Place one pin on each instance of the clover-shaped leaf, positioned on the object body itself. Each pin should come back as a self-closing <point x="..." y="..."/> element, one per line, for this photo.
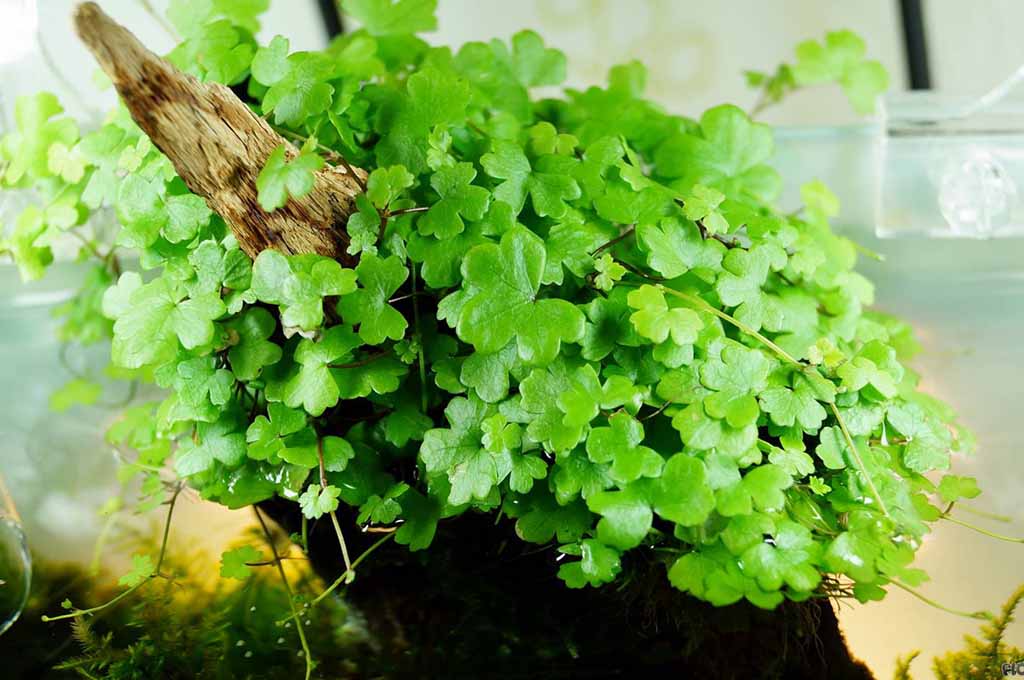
<point x="682" y="493"/>
<point x="532" y="63"/>
<point x="735" y="379"/>
<point x="391" y="17"/>
<point x="313" y="386"/>
<point x="219" y="442"/>
<point x="728" y="153"/>
<point x="789" y="559"/>
<point x="619" y="445"/>
<point x="383" y="509"/>
<point x="434" y="97"/>
<point x="626" y="516"/>
<point x="701" y="204"/>
<point x="487" y="374"/>
<point x="955" y="487"/>
<point x="281" y="178"/>
<point x="674" y="247"/>
<point x="316" y="502"/>
<point x="700" y="431"/>
<point x="219" y="266"/>
<point x="142" y="569"/>
<point x="569" y="245"/>
<point x="363" y="227"/>
<point x="386" y="184"/>
<point x="841" y="59"/>
<point x="299" y="283"/>
<point x="598" y="564"/>
<point x="458" y="452"/>
<point x="796" y="406"/>
<point x="152" y="318"/>
<point x="502" y="283"/>
<point x="282" y="433"/>
<point x="459" y="199"/>
<point x="252" y="350"/>
<point x="929" y="442"/>
<point x="854" y="553"/>
<point x="368" y="305"/>
<point x="762" y="487"/>
<point x="542" y="399"/>
<point x="548" y="181"/>
<point x="745" y="273"/>
<point x="186" y="214"/>
<point x="832" y="448"/>
<point x="199" y="382"/>
<point x="655" y="321"/>
<point x="442" y="260"/>
<point x="608" y="272"/>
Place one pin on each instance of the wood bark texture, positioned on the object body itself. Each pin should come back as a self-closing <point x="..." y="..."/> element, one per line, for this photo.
<point x="218" y="146"/>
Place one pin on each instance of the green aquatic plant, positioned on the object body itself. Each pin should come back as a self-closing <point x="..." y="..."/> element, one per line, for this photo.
<point x="579" y="312"/>
<point x="987" y="657"/>
<point x="193" y="627"/>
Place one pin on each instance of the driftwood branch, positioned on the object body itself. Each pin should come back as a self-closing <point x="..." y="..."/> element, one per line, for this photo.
<point x="218" y="145"/>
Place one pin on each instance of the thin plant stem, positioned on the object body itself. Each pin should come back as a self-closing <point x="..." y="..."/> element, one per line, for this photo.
<point x="986" y="532"/>
<point x="422" y="359"/>
<point x="408" y="211"/>
<point x="860" y="461"/>
<point x="621" y="237"/>
<point x="362" y="362"/>
<point x="344" y="547"/>
<point x="156" y="571"/>
<point x="867" y="252"/>
<point x="267" y="563"/>
<point x="657" y="411"/>
<point x="89" y="245"/>
<point x="344" y="578"/>
<point x="705" y="306"/>
<point x="985" y="513"/>
<point x="761" y="104"/>
<point x="101" y="542"/>
<point x="284" y="132"/>
<point x="984" y="616"/>
<point x="167" y="526"/>
<point x="334" y="515"/>
<point x="92" y="610"/>
<point x="288" y="591"/>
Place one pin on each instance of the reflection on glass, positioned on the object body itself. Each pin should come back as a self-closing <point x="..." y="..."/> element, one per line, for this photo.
<point x="15" y="563"/>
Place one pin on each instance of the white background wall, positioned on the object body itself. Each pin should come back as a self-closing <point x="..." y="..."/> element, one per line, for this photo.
<point x="696" y="50"/>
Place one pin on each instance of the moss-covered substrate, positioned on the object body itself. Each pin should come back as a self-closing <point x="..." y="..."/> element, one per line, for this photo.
<point x="481" y="603"/>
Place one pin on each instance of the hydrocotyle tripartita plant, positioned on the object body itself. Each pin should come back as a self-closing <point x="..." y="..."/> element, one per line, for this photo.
<point x="386" y="276"/>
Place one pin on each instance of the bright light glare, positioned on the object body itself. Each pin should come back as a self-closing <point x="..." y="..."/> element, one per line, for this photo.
<point x="19" y="21"/>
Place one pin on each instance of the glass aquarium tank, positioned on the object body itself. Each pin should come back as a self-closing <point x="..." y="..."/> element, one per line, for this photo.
<point x="932" y="189"/>
<point x="360" y="338"/>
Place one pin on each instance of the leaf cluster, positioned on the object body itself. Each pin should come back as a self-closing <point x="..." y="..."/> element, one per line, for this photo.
<point x="582" y="313"/>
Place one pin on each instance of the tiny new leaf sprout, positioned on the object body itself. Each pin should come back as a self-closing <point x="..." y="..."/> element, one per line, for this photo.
<point x="282" y="178"/>
<point x="581" y="314"/>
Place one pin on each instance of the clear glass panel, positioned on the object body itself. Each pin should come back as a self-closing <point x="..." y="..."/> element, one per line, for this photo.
<point x="15" y="563"/>
<point x="951" y="169"/>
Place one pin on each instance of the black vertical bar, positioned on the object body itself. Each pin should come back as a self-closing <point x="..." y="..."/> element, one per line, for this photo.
<point x="332" y="18"/>
<point x="915" y="45"/>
